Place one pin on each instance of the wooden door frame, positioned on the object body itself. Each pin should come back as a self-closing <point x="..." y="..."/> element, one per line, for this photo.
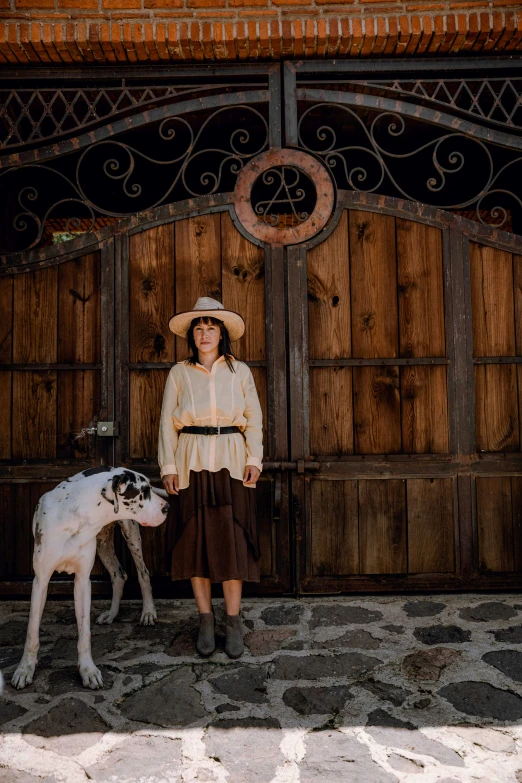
<point x="463" y="465"/>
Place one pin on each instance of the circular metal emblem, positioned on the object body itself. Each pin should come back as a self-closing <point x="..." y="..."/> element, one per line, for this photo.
<point x="284" y="196"/>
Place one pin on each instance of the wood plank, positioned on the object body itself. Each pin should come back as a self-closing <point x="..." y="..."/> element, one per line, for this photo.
<point x="492" y="304"/>
<point x="146" y="394"/>
<point x="79" y="295"/>
<point x="382" y="526"/>
<point x="198" y="265"/>
<point x="424" y="402"/>
<point x="264" y="492"/>
<point x="335" y="527"/>
<point x="516" y="502"/>
<point x="153" y="541"/>
<point x="331" y="411"/>
<point x="260" y="380"/>
<point x="329" y="307"/>
<point x="431" y="529"/>
<point x="23" y="549"/>
<point x="377" y="410"/>
<point x="496" y="407"/>
<point x="517" y="289"/>
<point x="495" y="524"/>
<point x="6" y="398"/>
<point x="35" y="319"/>
<point x="243" y="288"/>
<point x="34" y="415"/>
<point x="151" y="294"/>
<point x="421" y="293"/>
<point x="374" y="285"/>
<point x="6" y="320"/>
<point x="79" y="401"/>
<point x="8" y="524"/>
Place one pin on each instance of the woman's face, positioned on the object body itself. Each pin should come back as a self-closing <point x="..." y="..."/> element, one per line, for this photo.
<point x="206" y="337"/>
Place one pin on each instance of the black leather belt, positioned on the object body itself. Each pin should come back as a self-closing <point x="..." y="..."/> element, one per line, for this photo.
<point x="209" y="430"/>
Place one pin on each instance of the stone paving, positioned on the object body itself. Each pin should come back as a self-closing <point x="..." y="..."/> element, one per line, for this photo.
<point x="359" y="690"/>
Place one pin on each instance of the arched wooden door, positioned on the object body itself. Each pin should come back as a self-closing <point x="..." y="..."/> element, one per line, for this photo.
<point x="164" y="269"/>
<point x="405" y="420"/>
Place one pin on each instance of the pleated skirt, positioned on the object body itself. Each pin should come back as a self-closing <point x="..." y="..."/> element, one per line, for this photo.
<point x="214" y="532"/>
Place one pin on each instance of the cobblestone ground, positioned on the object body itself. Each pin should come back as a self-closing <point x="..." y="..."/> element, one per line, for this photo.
<point x="337" y="690"/>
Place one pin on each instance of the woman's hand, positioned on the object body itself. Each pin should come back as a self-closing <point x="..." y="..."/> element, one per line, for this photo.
<point x="251" y="474"/>
<point x="171" y="483"/>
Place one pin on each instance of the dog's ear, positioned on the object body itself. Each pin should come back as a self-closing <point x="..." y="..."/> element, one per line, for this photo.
<point x="112" y="493"/>
<point x="161" y="492"/>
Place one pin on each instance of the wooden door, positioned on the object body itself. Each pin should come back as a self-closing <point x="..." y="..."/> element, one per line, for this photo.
<point x="496" y="304"/>
<point x="392" y="494"/>
<point x="164" y="270"/>
<point x="55" y="380"/>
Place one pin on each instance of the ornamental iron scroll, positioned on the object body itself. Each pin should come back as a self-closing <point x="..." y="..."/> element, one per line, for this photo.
<point x="396" y="154"/>
<point x="176" y="158"/>
<point x="284" y="196"/>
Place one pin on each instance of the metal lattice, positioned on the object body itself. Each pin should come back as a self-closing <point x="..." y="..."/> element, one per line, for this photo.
<point x="495" y="100"/>
<point x="31" y="116"/>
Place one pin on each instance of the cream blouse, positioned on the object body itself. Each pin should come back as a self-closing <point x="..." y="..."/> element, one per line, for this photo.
<point x="196" y="397"/>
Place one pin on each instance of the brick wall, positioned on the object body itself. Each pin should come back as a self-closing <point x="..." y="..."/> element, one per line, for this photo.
<point x="108" y="31"/>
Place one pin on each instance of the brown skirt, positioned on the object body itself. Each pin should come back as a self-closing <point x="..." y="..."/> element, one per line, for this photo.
<point x="215" y="529"/>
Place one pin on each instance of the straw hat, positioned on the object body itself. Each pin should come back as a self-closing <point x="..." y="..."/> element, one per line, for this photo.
<point x="206" y="307"/>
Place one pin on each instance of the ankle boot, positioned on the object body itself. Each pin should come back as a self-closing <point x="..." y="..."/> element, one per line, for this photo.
<point x="234" y="646"/>
<point x="206" y="643"/>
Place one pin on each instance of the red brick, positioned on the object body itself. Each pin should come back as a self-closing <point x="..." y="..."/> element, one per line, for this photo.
<point x="346" y="38"/>
<point x="357" y="37"/>
<point x="253" y="43"/>
<point x="34" y="4"/>
<point x="264" y="40"/>
<point x="78" y="4"/>
<point x="309" y="38"/>
<point x="245" y="3"/>
<point x="381" y="36"/>
<point x="117" y="44"/>
<point x="230" y="41"/>
<point x="219" y="41"/>
<point x="173" y="42"/>
<point x="333" y="38"/>
<point x="297" y="27"/>
<point x="163" y="4"/>
<point x="121" y="3"/>
<point x="393" y="35"/>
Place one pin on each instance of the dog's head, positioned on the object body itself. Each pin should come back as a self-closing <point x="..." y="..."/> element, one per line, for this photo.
<point x="133" y="497"/>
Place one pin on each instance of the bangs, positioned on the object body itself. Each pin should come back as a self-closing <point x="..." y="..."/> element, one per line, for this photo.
<point x="207" y="320"/>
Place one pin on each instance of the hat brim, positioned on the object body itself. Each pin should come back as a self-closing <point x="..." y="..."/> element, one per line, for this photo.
<point x="179" y="324"/>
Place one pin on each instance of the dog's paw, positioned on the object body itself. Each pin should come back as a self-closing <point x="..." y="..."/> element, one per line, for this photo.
<point x="91" y="676"/>
<point x="23" y="675"/>
<point x="148" y="616"/>
<point x="106" y="618"/>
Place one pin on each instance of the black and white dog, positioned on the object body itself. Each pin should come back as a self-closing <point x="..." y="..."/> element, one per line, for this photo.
<point x="69" y="524"/>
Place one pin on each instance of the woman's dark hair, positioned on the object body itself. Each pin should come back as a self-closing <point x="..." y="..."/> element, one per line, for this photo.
<point x="224" y="343"/>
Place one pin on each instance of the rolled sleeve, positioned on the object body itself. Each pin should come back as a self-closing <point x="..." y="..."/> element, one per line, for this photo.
<point x="168" y="436"/>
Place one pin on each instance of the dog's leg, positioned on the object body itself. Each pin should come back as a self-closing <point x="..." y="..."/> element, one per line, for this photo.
<point x="90" y="674"/>
<point x="131" y="531"/>
<point x="24" y="673"/>
<point x="106" y="553"/>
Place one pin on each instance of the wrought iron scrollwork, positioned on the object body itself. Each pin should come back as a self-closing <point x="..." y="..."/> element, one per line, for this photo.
<point x="380" y="151"/>
<point x="171" y="160"/>
<point x="283" y="190"/>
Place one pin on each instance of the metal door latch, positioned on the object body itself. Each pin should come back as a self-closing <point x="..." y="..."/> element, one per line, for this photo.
<point x="107" y="429"/>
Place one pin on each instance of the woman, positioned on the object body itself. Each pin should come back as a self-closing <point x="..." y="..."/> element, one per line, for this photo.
<point x="210" y="452"/>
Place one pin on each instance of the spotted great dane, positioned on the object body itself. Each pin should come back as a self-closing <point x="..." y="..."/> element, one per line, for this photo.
<point x="70" y="523"/>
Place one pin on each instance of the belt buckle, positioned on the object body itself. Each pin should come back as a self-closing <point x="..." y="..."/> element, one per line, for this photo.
<point x="219" y="429"/>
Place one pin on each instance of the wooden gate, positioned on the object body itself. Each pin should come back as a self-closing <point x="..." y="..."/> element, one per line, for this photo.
<point x="385" y="336"/>
<point x="406" y="418"/>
